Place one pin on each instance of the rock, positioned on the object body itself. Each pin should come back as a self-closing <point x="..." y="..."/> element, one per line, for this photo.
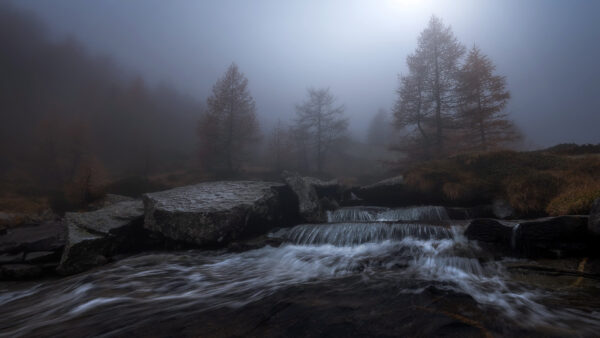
<point x="554" y="237"/>
<point x="216" y="213"/>
<point x="502" y="209"/>
<point x="11" y="258"/>
<point x="490" y="231"/>
<point x="19" y="271"/>
<point x="308" y="200"/>
<point x="545" y="237"/>
<point x="314" y="196"/>
<point x="47" y="236"/>
<point x="41" y="257"/>
<point x="594" y="219"/>
<point x="108" y="200"/>
<point x="481" y="211"/>
<point x="95" y="235"/>
<point x="389" y="192"/>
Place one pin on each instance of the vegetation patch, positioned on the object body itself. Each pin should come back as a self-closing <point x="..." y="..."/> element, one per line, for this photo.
<point x="534" y="183"/>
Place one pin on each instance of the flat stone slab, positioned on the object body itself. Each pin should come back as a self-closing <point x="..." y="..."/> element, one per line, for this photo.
<point x="48" y="236"/>
<point x="215" y="213"/>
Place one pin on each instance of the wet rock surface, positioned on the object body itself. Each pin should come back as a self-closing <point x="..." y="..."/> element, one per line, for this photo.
<point x="388" y="192"/>
<point x="31" y="251"/>
<point x="490" y="231"/>
<point x="543" y="237"/>
<point x="93" y="236"/>
<point x="365" y="285"/>
<point x="47" y="236"/>
<point x="216" y="213"/>
<point x="314" y="196"/>
<point x="554" y="237"/>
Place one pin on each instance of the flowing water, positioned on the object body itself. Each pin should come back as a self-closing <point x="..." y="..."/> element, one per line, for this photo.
<point x="362" y="275"/>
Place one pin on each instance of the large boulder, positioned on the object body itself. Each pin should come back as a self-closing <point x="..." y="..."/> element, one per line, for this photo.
<point x="594" y="219"/>
<point x="554" y="237"/>
<point x="544" y="237"/>
<point x="216" y="213"/>
<point x="314" y="196"/>
<point x="385" y="192"/>
<point x="490" y="231"/>
<point x="97" y="235"/>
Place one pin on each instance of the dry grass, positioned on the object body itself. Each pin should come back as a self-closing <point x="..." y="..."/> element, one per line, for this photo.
<point x="532" y="182"/>
<point x="530" y="193"/>
<point x="24" y="205"/>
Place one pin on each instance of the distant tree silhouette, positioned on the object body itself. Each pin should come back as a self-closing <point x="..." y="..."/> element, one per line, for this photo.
<point x="279" y="147"/>
<point x="379" y="132"/>
<point x="60" y="106"/>
<point x="229" y="127"/>
<point x="321" y="121"/>
<point x="483" y="97"/>
<point x="426" y="96"/>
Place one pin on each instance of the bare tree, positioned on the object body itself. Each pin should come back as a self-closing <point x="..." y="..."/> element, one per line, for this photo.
<point x="483" y="97"/>
<point x="229" y="128"/>
<point x="379" y="132"/>
<point x="321" y="121"/>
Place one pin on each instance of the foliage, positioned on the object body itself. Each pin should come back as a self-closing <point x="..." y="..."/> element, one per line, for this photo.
<point x="446" y="109"/>
<point x="483" y="97"/>
<point x="426" y="100"/>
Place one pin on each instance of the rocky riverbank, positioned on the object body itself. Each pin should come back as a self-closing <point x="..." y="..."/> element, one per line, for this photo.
<point x="236" y="214"/>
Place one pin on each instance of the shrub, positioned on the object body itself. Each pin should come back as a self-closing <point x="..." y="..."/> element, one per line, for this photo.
<point x="530" y="193"/>
<point x="576" y="199"/>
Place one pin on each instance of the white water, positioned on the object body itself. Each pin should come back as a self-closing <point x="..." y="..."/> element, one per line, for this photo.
<point x="362" y="214"/>
<point x="146" y="285"/>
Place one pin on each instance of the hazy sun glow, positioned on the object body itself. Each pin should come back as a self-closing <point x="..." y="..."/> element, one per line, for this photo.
<point x="403" y="4"/>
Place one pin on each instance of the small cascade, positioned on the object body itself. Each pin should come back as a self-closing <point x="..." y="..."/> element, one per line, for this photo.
<point x="369" y="214"/>
<point x="357" y="214"/>
<point x="423" y="213"/>
<point x="358" y="254"/>
<point x="345" y="234"/>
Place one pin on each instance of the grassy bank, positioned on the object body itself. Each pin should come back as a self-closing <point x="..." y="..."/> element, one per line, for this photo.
<point x="560" y="180"/>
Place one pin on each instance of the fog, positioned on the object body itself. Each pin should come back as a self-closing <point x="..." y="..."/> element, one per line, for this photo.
<point x="548" y="50"/>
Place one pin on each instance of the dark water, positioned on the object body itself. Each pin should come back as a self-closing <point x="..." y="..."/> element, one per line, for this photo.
<point x="339" y="279"/>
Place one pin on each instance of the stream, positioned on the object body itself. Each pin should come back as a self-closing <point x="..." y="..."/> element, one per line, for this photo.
<point x="367" y="272"/>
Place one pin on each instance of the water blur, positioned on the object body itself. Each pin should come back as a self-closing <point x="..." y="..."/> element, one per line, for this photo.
<point x="407" y="257"/>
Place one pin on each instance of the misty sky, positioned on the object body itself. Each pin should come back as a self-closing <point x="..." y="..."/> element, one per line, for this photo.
<point x="549" y="50"/>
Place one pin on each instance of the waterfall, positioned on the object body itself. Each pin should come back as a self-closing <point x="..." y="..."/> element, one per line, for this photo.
<point x="359" y="251"/>
<point x="366" y="214"/>
<point x="344" y="234"/>
<point x="425" y="213"/>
